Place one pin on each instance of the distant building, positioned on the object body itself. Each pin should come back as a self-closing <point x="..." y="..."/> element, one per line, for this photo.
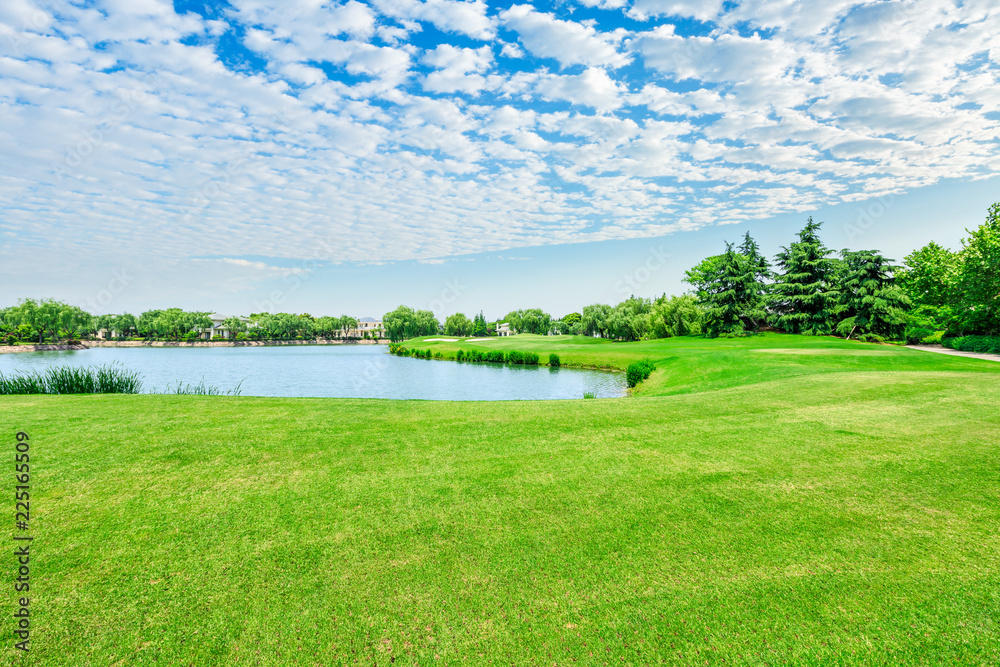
<point x="217" y="328"/>
<point x="503" y="329"/>
<point x="366" y="325"/>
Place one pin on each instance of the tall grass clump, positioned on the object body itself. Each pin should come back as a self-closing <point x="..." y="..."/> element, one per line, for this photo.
<point x="202" y="389"/>
<point x="638" y="371"/>
<point x="109" y="379"/>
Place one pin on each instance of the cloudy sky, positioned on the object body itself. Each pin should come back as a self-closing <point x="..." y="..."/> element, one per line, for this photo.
<point x="349" y="156"/>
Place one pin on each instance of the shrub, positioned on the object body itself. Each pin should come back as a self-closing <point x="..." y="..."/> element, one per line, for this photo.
<point x="933" y="338"/>
<point x="438" y="355"/>
<point x="494" y="356"/>
<point x="638" y="371"/>
<point x="530" y="359"/>
<point x="983" y="344"/>
<point x="553" y="359"/>
<point x="588" y="394"/>
<point x="514" y="357"/>
<point x="460" y="356"/>
<point x="916" y="334"/>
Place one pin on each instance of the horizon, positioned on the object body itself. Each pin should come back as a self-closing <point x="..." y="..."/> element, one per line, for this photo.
<point x="350" y="157"/>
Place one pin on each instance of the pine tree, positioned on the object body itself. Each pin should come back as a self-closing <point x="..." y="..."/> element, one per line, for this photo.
<point x="803" y="298"/>
<point x="869" y="297"/>
<point x="726" y="295"/>
<point x="758" y="271"/>
<point x="479" y="325"/>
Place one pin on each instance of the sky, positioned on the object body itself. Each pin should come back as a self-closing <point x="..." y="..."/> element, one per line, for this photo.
<point x="347" y="157"/>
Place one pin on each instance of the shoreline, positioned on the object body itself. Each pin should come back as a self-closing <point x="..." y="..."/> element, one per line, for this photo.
<point x="11" y="349"/>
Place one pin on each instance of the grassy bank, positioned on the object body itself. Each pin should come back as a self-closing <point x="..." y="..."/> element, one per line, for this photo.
<point x="695" y="364"/>
<point x="777" y="501"/>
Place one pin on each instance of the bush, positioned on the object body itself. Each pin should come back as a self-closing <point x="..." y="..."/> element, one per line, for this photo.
<point x="460" y="356"/>
<point x="982" y="344"/>
<point x="553" y="359"/>
<point x="530" y="359"/>
<point x="515" y="358"/>
<point x="493" y="356"/>
<point x="638" y="371"/>
<point x="933" y="338"/>
<point x="917" y="334"/>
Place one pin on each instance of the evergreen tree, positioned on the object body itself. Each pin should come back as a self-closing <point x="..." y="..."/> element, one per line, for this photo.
<point x="732" y="288"/>
<point x="479" y="325"/>
<point x="803" y="298"/>
<point x="758" y="273"/>
<point x="869" y="298"/>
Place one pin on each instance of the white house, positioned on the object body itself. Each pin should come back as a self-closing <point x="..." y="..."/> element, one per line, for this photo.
<point x="217" y="328"/>
<point x="366" y="325"/>
<point x="503" y="329"/>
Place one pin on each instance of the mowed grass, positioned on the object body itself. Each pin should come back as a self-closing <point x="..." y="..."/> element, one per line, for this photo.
<point x="838" y="504"/>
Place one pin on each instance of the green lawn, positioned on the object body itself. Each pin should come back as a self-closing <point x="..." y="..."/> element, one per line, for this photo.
<point x="776" y="500"/>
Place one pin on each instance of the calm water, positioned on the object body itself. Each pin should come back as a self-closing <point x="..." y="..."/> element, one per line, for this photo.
<point x="341" y="371"/>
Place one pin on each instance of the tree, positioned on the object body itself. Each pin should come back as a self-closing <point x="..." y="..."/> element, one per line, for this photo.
<point x="124" y="325"/>
<point x="870" y="301"/>
<point x="731" y="288"/>
<point x="571" y="319"/>
<point x="595" y="319"/>
<point x="479" y="327"/>
<point x="630" y="319"/>
<point x="979" y="277"/>
<point x="676" y="316"/>
<point x="757" y="273"/>
<point x="399" y="323"/>
<point x="727" y="297"/>
<point x="425" y="324"/>
<point x="531" y="320"/>
<point x="802" y="298"/>
<point x="458" y="325"/>
<point x="347" y="323"/>
<point x="930" y="276"/>
<point x="234" y="325"/>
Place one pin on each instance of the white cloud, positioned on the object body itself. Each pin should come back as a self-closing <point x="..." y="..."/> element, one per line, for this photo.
<point x="465" y="17"/>
<point x="591" y="88"/>
<point x="458" y="69"/>
<point x="727" y="58"/>
<point x="363" y="137"/>
<point x="569" y="42"/>
<point x="702" y="10"/>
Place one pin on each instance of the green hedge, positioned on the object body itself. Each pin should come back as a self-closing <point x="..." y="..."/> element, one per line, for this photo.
<point x="987" y="344"/>
<point x="638" y="371"/>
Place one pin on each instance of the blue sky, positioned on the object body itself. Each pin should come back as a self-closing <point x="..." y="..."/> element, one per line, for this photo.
<point x="345" y="157"/>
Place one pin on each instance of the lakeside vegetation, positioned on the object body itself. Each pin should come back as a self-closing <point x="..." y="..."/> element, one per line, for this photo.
<point x="774" y="499"/>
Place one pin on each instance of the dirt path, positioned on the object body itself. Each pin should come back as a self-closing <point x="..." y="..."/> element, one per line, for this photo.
<point x="957" y="353"/>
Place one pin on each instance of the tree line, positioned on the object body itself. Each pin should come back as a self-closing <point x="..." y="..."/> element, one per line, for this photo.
<point x="51" y="320"/>
<point x="807" y="289"/>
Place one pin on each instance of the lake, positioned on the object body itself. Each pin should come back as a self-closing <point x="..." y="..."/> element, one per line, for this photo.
<point x="331" y="371"/>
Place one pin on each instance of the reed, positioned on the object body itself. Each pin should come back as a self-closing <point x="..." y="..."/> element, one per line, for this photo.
<point x="108" y="379"/>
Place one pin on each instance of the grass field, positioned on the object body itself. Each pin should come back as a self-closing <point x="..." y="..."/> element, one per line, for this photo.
<point x="776" y="500"/>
